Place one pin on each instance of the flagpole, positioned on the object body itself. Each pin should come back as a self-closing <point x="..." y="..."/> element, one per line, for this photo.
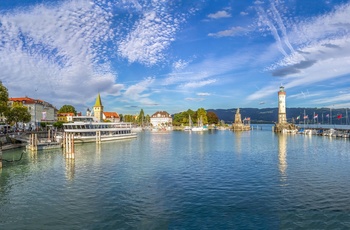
<point x="322" y="118"/>
<point x="330" y="116"/>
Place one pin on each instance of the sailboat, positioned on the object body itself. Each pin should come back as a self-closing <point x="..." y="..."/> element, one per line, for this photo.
<point x="189" y="127"/>
<point x="200" y="126"/>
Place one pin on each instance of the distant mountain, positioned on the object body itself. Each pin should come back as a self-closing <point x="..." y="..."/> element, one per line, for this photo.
<point x="269" y="115"/>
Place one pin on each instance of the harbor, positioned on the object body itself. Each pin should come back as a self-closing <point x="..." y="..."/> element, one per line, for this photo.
<point x="179" y="179"/>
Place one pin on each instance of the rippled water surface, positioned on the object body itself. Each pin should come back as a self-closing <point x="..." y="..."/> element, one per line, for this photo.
<point x="182" y="180"/>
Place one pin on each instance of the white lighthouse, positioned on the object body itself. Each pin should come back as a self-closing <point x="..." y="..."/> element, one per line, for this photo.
<point x="282" y="117"/>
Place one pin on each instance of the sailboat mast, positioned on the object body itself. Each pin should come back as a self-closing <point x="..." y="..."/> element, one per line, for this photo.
<point x="346" y="112"/>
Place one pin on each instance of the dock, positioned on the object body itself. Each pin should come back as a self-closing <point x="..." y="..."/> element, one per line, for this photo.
<point x="326" y="130"/>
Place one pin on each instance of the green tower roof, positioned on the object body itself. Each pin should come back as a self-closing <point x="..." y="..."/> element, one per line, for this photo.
<point x="98" y="102"/>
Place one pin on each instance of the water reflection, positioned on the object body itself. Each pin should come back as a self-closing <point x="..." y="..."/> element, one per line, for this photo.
<point x="238" y="142"/>
<point x="33" y="156"/>
<point x="282" y="155"/>
<point x="70" y="169"/>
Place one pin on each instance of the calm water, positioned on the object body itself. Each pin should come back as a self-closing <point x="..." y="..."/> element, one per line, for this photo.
<point x="181" y="180"/>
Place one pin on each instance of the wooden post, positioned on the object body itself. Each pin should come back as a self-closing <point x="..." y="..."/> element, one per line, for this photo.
<point x="33" y="142"/>
<point x="36" y="141"/>
<point x="1" y="156"/>
<point x="69" y="145"/>
<point x="98" y="137"/>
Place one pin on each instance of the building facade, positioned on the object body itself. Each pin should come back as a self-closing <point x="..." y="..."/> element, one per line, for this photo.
<point x="65" y="117"/>
<point x="111" y="116"/>
<point x="40" y="111"/>
<point x="161" y="118"/>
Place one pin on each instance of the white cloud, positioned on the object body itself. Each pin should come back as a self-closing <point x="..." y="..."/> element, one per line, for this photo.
<point x="234" y="31"/>
<point x="323" y="41"/>
<point x="150" y="37"/>
<point x="220" y="14"/>
<point x="57" y="51"/>
<point x="194" y="99"/>
<point x="203" y="94"/>
<point x="140" y="92"/>
<point x="209" y="68"/>
<point x="198" y="84"/>
<point x="180" y="64"/>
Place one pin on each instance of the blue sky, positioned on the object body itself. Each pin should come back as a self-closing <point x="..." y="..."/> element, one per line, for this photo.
<point x="176" y="55"/>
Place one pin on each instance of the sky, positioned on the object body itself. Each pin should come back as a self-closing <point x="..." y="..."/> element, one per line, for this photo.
<point x="160" y="55"/>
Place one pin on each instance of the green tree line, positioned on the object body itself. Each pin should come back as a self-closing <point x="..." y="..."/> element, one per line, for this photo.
<point x="183" y="118"/>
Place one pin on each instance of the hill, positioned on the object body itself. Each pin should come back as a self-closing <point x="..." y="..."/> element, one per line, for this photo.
<point x="269" y="115"/>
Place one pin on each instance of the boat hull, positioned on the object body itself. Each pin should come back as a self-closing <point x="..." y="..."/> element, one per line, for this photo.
<point x="104" y="138"/>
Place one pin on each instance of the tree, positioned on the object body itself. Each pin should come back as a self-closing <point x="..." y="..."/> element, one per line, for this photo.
<point x="183" y="117"/>
<point x="58" y="124"/>
<point x="148" y="119"/>
<point x="67" y="109"/>
<point x="212" y="118"/>
<point x="43" y="125"/>
<point x="202" y="114"/>
<point x="17" y="114"/>
<point x="141" y="117"/>
<point x="4" y="97"/>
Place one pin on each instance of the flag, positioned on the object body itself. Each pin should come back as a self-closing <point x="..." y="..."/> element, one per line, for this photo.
<point x="316" y="116"/>
<point x="306" y="116"/>
<point x="44" y="116"/>
<point x="298" y="117"/>
<point x="339" y="116"/>
<point x="327" y="115"/>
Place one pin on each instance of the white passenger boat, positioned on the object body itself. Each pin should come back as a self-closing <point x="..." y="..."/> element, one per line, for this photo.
<point x="89" y="131"/>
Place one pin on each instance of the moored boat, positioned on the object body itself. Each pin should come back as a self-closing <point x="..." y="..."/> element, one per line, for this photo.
<point x="89" y="131"/>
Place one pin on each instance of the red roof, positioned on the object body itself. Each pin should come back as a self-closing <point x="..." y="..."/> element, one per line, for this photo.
<point x="111" y="114"/>
<point x="28" y="100"/>
<point x="161" y="113"/>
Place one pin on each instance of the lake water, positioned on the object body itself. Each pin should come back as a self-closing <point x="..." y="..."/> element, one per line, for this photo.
<point x="182" y="180"/>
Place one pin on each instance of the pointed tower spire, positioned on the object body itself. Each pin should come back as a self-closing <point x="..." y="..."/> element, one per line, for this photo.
<point x="98" y="100"/>
<point x="98" y="108"/>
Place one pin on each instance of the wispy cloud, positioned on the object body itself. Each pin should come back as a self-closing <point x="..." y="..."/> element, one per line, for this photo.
<point x="203" y="94"/>
<point x="150" y="36"/>
<point x="234" y="31"/>
<point x="50" y="49"/>
<point x="140" y="92"/>
<point x="180" y="64"/>
<point x="322" y="44"/>
<point x="194" y="99"/>
<point x="198" y="84"/>
<point x="207" y="69"/>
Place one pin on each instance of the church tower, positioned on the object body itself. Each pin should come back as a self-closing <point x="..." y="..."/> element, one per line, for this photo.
<point x="282" y="117"/>
<point x="98" y="108"/>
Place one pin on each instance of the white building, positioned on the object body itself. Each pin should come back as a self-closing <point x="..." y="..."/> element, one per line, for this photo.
<point x="40" y="111"/>
<point x="161" y="118"/>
